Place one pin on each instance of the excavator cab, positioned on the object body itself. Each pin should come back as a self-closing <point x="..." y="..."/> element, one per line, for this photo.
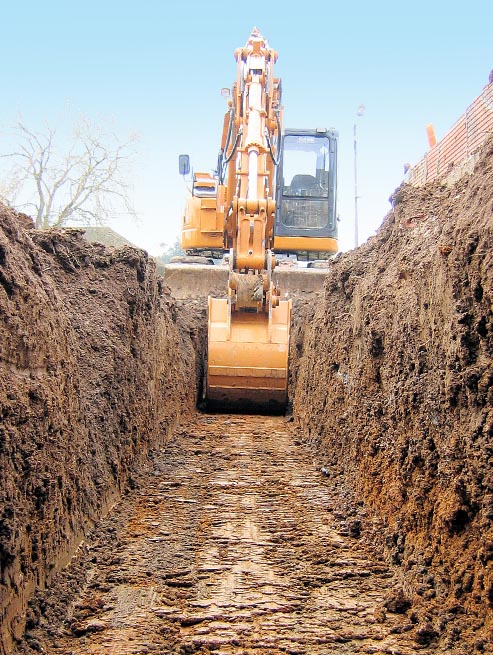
<point x="305" y="223"/>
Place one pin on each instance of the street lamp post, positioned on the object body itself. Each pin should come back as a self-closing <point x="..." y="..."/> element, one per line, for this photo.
<point x="360" y="111"/>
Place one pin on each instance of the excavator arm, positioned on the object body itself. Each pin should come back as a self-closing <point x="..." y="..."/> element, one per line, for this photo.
<point x="273" y="190"/>
<point x="248" y="331"/>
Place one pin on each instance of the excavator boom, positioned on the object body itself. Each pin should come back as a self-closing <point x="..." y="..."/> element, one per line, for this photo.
<point x="272" y="190"/>
<point x="248" y="331"/>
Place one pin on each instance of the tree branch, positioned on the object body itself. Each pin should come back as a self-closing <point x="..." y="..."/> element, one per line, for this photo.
<point x="82" y="184"/>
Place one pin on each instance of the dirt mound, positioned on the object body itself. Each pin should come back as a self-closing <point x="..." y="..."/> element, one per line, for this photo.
<point x="395" y="383"/>
<point x="93" y="373"/>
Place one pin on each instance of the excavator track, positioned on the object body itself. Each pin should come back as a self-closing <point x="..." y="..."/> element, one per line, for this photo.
<point x="236" y="543"/>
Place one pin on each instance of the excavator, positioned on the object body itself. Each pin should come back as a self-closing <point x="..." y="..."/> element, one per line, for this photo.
<point x="271" y="199"/>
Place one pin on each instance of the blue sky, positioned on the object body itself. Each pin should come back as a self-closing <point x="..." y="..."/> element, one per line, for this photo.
<point x="157" y="69"/>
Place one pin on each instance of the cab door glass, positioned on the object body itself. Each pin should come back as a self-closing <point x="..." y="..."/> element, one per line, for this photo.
<point x="305" y="167"/>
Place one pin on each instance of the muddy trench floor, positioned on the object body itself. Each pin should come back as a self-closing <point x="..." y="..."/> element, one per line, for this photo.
<point x="234" y="541"/>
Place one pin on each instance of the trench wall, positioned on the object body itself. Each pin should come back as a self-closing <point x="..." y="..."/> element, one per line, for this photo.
<point x="94" y="371"/>
<point x="394" y="382"/>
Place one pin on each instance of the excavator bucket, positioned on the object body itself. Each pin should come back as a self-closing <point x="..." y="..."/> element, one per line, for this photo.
<point x="247" y="358"/>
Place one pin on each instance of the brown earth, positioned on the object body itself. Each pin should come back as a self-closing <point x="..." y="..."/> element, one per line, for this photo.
<point x="395" y="386"/>
<point x="93" y="373"/>
<point x="365" y="525"/>
<point x="234" y="542"/>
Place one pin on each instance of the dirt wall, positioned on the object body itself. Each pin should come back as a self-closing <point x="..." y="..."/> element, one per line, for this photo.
<point x="94" y="371"/>
<point x="394" y="382"/>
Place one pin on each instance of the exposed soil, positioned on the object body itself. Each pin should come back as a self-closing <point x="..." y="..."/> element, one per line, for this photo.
<point x="395" y="386"/>
<point x="235" y="542"/>
<point x="364" y="525"/>
<point x="93" y="373"/>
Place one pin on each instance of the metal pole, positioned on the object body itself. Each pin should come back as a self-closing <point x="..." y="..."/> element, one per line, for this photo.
<point x="359" y="112"/>
<point x="355" y="188"/>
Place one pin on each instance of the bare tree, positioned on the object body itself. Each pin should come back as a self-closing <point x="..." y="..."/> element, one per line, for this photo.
<point x="85" y="183"/>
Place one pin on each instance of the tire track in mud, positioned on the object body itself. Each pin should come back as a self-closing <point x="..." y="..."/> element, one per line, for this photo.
<point x="237" y="544"/>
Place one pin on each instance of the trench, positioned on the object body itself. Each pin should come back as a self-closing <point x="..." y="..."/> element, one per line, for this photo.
<point x="234" y="541"/>
<point x="362" y="522"/>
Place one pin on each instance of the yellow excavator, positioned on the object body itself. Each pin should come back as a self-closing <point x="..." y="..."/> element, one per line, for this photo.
<point x="273" y="191"/>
